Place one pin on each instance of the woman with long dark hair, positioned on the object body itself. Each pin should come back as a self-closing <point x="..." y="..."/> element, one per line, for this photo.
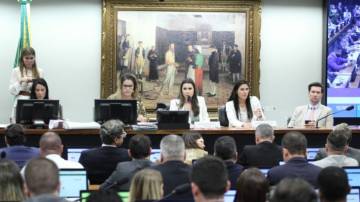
<point x="190" y="102"/>
<point x="241" y="108"/>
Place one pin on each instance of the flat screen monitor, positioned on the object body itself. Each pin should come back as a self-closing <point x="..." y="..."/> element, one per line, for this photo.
<point x="354" y="195"/>
<point x="172" y="119"/>
<point x="311" y="153"/>
<point x="264" y="171"/>
<point x="84" y="195"/>
<point x="28" y="111"/>
<point x="124" y="110"/>
<point x="342" y="59"/>
<point x="155" y="155"/>
<point x="229" y="196"/>
<point x="72" y="181"/>
<point x="353" y="174"/>
<point x="73" y="154"/>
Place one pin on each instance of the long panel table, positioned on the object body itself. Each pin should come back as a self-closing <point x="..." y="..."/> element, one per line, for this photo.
<point x="87" y="138"/>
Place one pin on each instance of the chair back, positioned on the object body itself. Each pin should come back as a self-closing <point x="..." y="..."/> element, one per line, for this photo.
<point x="222" y="116"/>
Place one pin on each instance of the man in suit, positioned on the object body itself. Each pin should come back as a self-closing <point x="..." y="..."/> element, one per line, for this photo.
<point x="294" y="146"/>
<point x="307" y="115"/>
<point x="139" y="151"/>
<point x="42" y="181"/>
<point x="172" y="168"/>
<point x="16" y="149"/>
<point x="336" y="146"/>
<point x="209" y="179"/>
<point x="225" y="149"/>
<point x="350" y="152"/>
<point x="101" y="162"/>
<point x="265" y="153"/>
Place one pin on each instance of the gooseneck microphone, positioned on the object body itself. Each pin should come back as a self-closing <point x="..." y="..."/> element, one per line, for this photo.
<point x="348" y="108"/>
<point x="117" y="183"/>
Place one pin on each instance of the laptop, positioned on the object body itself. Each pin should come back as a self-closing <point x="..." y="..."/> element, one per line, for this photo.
<point x="155" y="155"/>
<point x="264" y="171"/>
<point x="353" y="174"/>
<point x="229" y="196"/>
<point x="354" y="195"/>
<point x="84" y="194"/>
<point x="72" y="181"/>
<point x="311" y="153"/>
<point x="73" y="154"/>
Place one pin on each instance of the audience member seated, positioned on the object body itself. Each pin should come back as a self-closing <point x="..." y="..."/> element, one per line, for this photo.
<point x="333" y="184"/>
<point x="241" y="108"/>
<point x="307" y="115"/>
<point x="194" y="147"/>
<point x="104" y="196"/>
<point x="101" y="162"/>
<point x="11" y="183"/>
<point x="172" y="168"/>
<point x="225" y="149"/>
<point x="51" y="147"/>
<point x="209" y="179"/>
<point x="265" y="153"/>
<point x="16" y="149"/>
<point x="294" y="153"/>
<point x="42" y="181"/>
<point x="350" y="152"/>
<point x="293" y="190"/>
<point x="336" y="146"/>
<point x="252" y="186"/>
<point x="139" y="151"/>
<point x="146" y="185"/>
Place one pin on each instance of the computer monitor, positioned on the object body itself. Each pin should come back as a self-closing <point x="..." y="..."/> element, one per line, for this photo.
<point x="264" y="171"/>
<point x="353" y="174"/>
<point x="31" y="111"/>
<point x="124" y="110"/>
<point x="73" y="154"/>
<point x="229" y="196"/>
<point x="84" y="194"/>
<point x="354" y="195"/>
<point x="311" y="153"/>
<point x="155" y="155"/>
<point x="172" y="119"/>
<point x="72" y="181"/>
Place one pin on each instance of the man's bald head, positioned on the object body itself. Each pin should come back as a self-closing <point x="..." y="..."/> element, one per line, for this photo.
<point x="50" y="143"/>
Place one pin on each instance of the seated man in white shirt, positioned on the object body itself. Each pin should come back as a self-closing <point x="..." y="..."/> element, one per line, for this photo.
<point x="336" y="146"/>
<point x="309" y="115"/>
<point x="51" y="147"/>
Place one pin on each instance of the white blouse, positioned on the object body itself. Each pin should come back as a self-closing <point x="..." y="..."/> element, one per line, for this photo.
<point x="203" y="113"/>
<point x="231" y="113"/>
<point x="15" y="81"/>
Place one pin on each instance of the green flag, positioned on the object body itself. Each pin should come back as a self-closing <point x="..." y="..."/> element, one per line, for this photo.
<point x="25" y="37"/>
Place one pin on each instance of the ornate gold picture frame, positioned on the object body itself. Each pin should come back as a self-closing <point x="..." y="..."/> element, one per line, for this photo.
<point x="132" y="28"/>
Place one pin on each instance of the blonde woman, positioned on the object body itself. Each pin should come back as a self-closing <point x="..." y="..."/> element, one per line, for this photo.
<point x="147" y="184"/>
<point x="11" y="183"/>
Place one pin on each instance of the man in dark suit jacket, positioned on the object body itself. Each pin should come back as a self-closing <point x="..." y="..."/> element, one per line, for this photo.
<point x="265" y="153"/>
<point x="172" y="168"/>
<point x="101" y="162"/>
<point x="225" y="149"/>
<point x="294" y="153"/>
<point x="350" y="152"/>
<point x="16" y="149"/>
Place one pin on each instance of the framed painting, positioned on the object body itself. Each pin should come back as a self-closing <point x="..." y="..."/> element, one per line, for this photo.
<point x="215" y="43"/>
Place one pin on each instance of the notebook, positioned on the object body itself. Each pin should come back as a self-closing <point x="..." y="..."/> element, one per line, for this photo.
<point x="73" y="154"/>
<point x="72" y="181"/>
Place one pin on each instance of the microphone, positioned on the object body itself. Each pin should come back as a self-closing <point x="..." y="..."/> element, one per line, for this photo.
<point x="117" y="183"/>
<point x="348" y="108"/>
<point x="181" y="189"/>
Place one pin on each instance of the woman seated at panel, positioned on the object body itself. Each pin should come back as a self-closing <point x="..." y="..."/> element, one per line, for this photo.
<point x="190" y="102"/>
<point x="127" y="90"/>
<point x="241" y="108"/>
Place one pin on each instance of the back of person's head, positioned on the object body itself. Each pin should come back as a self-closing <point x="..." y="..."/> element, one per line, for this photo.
<point x="295" y="142"/>
<point x="264" y="131"/>
<point x="336" y="141"/>
<point x="104" y="196"/>
<point x="172" y="147"/>
<point x="146" y="184"/>
<point x="140" y="146"/>
<point x="225" y="148"/>
<point x="14" y="134"/>
<point x="345" y="130"/>
<point x="252" y="186"/>
<point x="333" y="184"/>
<point x="50" y="143"/>
<point x="11" y="183"/>
<point x="294" y="190"/>
<point x="190" y="140"/>
<point x="42" y="177"/>
<point x="112" y="130"/>
<point x="209" y="177"/>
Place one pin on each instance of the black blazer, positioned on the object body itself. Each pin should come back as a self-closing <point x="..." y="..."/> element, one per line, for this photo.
<point x="295" y="167"/>
<point x="175" y="173"/>
<point x="264" y="154"/>
<point x="100" y="162"/>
